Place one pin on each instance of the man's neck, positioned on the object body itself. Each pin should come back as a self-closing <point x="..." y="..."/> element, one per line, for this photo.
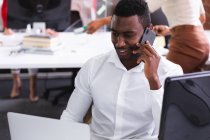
<point x="128" y="64"/>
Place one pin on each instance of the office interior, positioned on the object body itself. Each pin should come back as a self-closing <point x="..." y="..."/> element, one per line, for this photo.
<point x="54" y="85"/>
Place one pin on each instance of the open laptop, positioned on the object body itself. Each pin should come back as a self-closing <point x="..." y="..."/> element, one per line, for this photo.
<point x="29" y="127"/>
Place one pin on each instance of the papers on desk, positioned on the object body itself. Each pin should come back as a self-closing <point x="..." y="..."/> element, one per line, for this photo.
<point x="10" y="41"/>
<point x="35" y="50"/>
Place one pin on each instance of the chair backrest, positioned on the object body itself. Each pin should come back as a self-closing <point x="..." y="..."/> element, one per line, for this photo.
<point x="158" y="18"/>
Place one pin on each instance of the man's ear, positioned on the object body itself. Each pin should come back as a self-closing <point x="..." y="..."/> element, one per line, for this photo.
<point x="149" y="27"/>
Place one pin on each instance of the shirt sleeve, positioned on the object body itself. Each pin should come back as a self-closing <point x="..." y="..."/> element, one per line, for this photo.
<point x="80" y="100"/>
<point x="157" y="99"/>
<point x="202" y="10"/>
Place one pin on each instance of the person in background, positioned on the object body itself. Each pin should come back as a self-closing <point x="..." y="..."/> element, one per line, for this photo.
<point x="94" y="25"/>
<point x="202" y="17"/>
<point x="16" y="88"/>
<point x="83" y="8"/>
<point x="189" y="46"/>
<point x="125" y="85"/>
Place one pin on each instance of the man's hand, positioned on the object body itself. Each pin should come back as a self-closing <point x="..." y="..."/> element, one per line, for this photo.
<point x="151" y="60"/>
<point x="161" y="30"/>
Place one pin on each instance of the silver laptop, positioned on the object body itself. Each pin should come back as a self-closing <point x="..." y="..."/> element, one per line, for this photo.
<point x="28" y="127"/>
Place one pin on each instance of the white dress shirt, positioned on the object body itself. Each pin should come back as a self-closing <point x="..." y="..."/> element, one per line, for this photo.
<point x="179" y="12"/>
<point x="123" y="107"/>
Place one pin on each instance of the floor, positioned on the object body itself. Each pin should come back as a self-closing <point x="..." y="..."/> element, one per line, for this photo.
<point x="43" y="107"/>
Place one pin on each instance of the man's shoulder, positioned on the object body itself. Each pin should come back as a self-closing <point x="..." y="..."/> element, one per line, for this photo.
<point x="101" y="57"/>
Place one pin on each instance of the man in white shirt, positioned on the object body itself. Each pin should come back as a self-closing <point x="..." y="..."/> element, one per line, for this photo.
<point x="125" y="86"/>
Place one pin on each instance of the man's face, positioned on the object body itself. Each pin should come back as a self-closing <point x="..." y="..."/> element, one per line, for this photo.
<point x="126" y="33"/>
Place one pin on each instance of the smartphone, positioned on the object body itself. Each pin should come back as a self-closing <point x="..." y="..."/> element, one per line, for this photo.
<point x="148" y="35"/>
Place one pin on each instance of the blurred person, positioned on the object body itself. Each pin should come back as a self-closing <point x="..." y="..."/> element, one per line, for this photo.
<point x="83" y="8"/>
<point x="16" y="88"/>
<point x="94" y="25"/>
<point x="188" y="45"/>
<point x="125" y="91"/>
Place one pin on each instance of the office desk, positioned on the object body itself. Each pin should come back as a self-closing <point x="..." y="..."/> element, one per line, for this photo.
<point x="73" y="52"/>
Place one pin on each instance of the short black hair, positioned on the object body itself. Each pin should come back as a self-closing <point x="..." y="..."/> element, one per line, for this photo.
<point x="126" y="8"/>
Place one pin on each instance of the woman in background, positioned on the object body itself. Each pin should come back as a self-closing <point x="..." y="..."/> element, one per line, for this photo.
<point x="16" y="88"/>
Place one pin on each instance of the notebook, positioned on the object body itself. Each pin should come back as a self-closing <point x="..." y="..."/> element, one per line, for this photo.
<point x="29" y="127"/>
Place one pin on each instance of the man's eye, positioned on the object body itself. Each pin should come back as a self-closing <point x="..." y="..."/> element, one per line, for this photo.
<point x="128" y="35"/>
<point x="115" y="34"/>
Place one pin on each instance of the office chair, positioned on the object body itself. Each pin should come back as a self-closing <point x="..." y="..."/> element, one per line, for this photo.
<point x="158" y="18"/>
<point x="55" y="13"/>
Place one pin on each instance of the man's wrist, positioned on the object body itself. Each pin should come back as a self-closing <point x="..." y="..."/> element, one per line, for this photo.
<point x="154" y="83"/>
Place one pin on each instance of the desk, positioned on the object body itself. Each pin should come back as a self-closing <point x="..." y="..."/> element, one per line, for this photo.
<point x="74" y="51"/>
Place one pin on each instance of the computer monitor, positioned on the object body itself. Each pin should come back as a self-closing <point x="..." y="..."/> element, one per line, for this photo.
<point x="186" y="108"/>
<point x="55" y="13"/>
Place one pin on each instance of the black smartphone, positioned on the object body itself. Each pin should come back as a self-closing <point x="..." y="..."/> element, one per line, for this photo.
<point x="148" y="35"/>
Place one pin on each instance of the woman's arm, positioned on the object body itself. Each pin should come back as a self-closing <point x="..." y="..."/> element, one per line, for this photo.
<point x="202" y="14"/>
<point x="94" y="25"/>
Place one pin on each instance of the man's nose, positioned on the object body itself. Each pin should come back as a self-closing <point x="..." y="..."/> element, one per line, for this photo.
<point x="120" y="42"/>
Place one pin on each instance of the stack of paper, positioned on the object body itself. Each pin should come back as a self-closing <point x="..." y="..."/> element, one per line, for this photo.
<point x="40" y="41"/>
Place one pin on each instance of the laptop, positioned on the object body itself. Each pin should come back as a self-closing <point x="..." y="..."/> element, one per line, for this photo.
<point x="29" y="127"/>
